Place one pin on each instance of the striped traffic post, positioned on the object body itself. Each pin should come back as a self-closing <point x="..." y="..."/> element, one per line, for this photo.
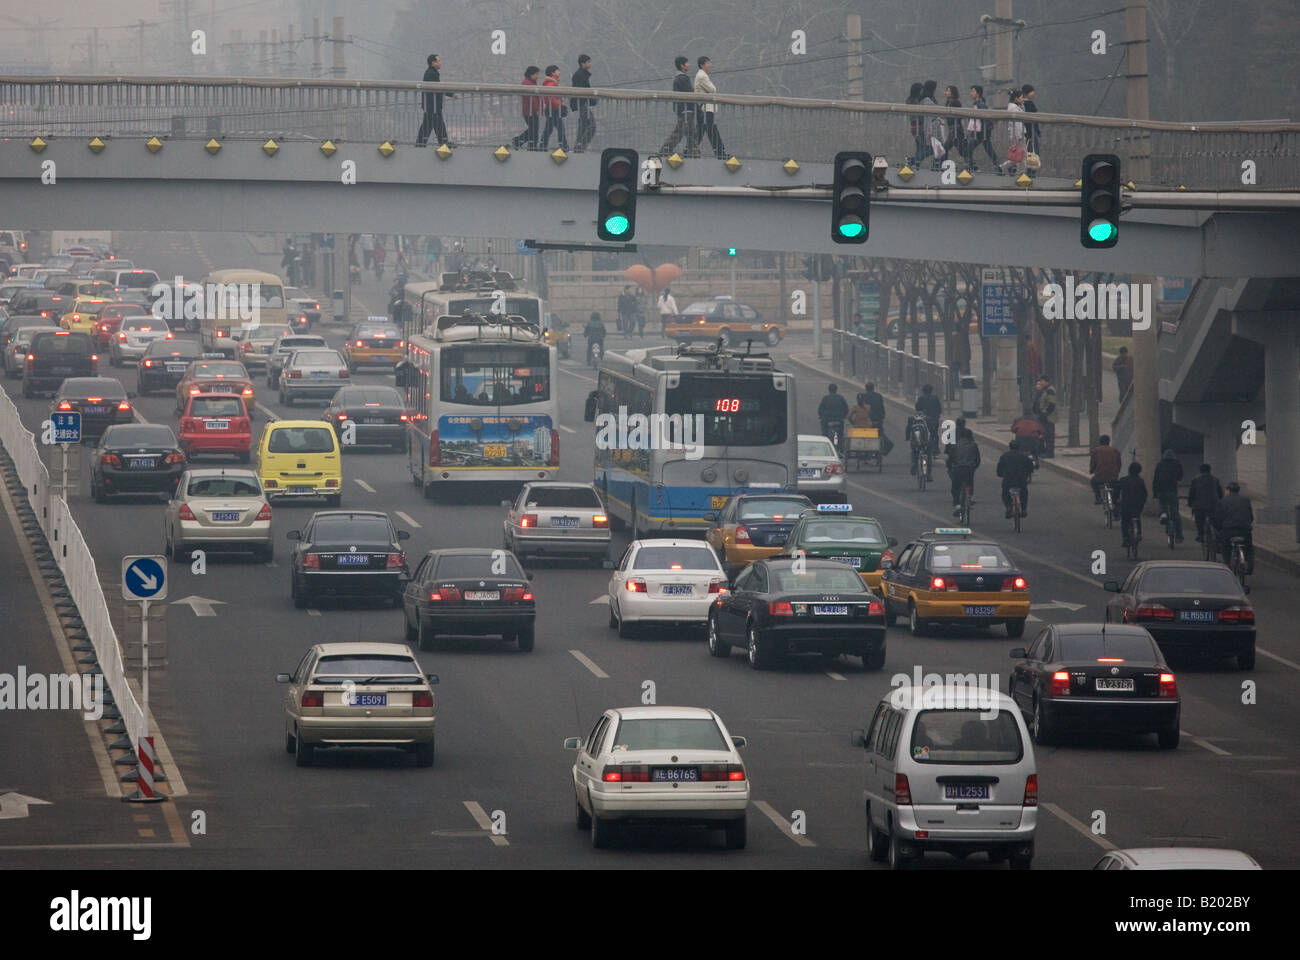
<point x="148" y="762"/>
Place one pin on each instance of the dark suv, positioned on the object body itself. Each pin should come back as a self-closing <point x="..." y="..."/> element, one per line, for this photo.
<point x="164" y="364"/>
<point x="55" y="356"/>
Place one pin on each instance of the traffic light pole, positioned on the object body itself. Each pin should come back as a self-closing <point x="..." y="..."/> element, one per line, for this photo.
<point x="817" y="312"/>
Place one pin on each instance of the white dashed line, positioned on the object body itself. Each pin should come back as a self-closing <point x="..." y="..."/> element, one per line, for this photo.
<point x="363" y="485"/>
<point x="566" y="429"/>
<point x="578" y="375"/>
<point x="1202" y="742"/>
<point x="586" y="661"/>
<point x="483" y="820"/>
<point x="408" y="520"/>
<point x="267" y="412"/>
<point x="1078" y="826"/>
<point x="1273" y="656"/>
<point x="834" y="676"/>
<point x="782" y="823"/>
<point x="313" y="613"/>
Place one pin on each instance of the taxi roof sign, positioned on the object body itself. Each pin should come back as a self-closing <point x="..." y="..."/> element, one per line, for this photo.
<point x="953" y="531"/>
<point x="834" y="508"/>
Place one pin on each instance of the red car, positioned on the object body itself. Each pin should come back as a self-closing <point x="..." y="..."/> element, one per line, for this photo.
<point x="109" y="320"/>
<point x="216" y="423"/>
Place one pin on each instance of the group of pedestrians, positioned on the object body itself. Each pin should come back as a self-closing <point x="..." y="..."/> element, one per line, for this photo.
<point x="697" y="122"/>
<point x="937" y="137"/>
<point x="553" y="110"/>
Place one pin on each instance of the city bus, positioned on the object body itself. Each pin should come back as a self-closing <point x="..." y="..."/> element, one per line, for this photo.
<point x="221" y="326"/>
<point x="745" y="407"/>
<point x="481" y="393"/>
<point x="493" y="293"/>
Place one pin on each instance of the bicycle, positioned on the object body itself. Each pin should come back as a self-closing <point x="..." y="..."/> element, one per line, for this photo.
<point x="1237" y="559"/>
<point x="1168" y="517"/>
<point x="1017" y="508"/>
<point x="1134" y="537"/>
<point x="966" y="498"/>
<point x="1208" y="536"/>
<point x="834" y="432"/>
<point x="922" y="468"/>
<point x="1108" y="505"/>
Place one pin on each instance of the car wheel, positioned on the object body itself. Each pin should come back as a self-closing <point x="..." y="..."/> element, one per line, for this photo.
<point x="874" y="657"/>
<point x="581" y="818"/>
<point x="1043" y="732"/>
<point x="773" y="337"/>
<point x="179" y="552"/>
<point x="98" y="492"/>
<point x="717" y="646"/>
<point x="1246" y="660"/>
<point x="914" y="623"/>
<point x="424" y="754"/>
<point x="613" y="620"/>
<point x="412" y="634"/>
<point x="290" y="743"/>
<point x="425" y="637"/>
<point x="334" y="500"/>
<point x="897" y="859"/>
<point x="285" y="399"/>
<point x="303" y="753"/>
<point x="877" y="842"/>
<point x="759" y="658"/>
<point x="625" y="630"/>
<point x="526" y="637"/>
<point x="736" y="831"/>
<point x="27" y="390"/>
<point x="601" y="830"/>
<point x="1015" y="628"/>
<point x="267" y="553"/>
<point x="1169" y="737"/>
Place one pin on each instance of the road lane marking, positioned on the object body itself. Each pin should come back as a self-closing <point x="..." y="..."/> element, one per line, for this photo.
<point x="364" y="486"/>
<point x="407" y="519"/>
<point x="834" y="676"/>
<point x="1290" y="663"/>
<point x="782" y="823"/>
<point x="1077" y="825"/>
<point x="583" y="659"/>
<point x="267" y="411"/>
<point x="483" y="820"/>
<point x="578" y="375"/>
<point x="1202" y="742"/>
<point x="566" y="429"/>
<point x="313" y="613"/>
<point x="174" y="826"/>
<point x="602" y="599"/>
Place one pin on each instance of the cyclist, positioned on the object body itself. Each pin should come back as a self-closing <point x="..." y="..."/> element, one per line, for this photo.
<point x="1104" y="465"/>
<point x="1164" y="487"/>
<point x="1031" y="435"/>
<point x="1234" y="517"/>
<point x="920" y="434"/>
<point x="932" y="407"/>
<point x="963" y="461"/>
<point x="594" y="331"/>
<point x="833" y="408"/>
<point x="1203" y="495"/>
<point x="1131" y="494"/>
<point x="1014" y="468"/>
<point x="877" y="404"/>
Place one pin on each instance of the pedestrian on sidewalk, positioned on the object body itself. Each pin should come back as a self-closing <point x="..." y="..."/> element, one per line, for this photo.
<point x="626" y="311"/>
<point x="1032" y="130"/>
<point x="1045" y="409"/>
<point x="531" y="108"/>
<point x="639" y="299"/>
<point x="433" y="122"/>
<point x="583" y="106"/>
<point x="956" y="134"/>
<point x="1164" y="487"/>
<point x="981" y="129"/>
<point x="708" y="115"/>
<point x="556" y="111"/>
<point x="432" y="251"/>
<point x="916" y="125"/>
<point x="1123" y="367"/>
<point x="1016" y="148"/>
<point x="933" y="123"/>
<point x="667" y="306"/>
<point x="1203" y="496"/>
<point x="367" y="249"/>
<point x="685" y="109"/>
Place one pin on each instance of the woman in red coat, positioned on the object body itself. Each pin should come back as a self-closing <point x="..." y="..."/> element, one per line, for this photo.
<point x="532" y="110"/>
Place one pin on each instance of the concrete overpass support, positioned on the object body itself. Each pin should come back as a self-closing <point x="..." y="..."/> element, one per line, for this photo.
<point x="1220" y="426"/>
<point x="1277" y="331"/>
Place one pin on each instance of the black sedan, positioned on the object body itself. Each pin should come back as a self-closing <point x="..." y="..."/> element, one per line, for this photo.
<point x="469" y="591"/>
<point x="786" y="605"/>
<point x="1188" y="605"/>
<point x="347" y="553"/>
<point x="136" y="458"/>
<point x="378" y="415"/>
<point x="1095" y="676"/>
<point x="164" y="364"/>
<point x="101" y="401"/>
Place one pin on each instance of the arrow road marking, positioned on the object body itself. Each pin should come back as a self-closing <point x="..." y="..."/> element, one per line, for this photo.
<point x="485" y="822"/>
<point x="602" y="599"/>
<point x="201" y="606"/>
<point x="13" y="806"/>
<point x="1057" y="605"/>
<point x="150" y="582"/>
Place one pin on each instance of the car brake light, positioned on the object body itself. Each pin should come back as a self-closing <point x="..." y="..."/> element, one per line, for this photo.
<point x="1031" y="791"/>
<point x="221" y="333"/>
<point x="875" y="609"/>
<point x="185" y="512"/>
<point x="936" y="583"/>
<point x="293" y="374"/>
<point x="174" y="458"/>
<point x="404" y="418"/>
<point x="780" y="608"/>
<point x="264" y="513"/>
<point x="517" y="595"/>
<point x="148" y="363"/>
<point x="1237" y="614"/>
<point x="360" y="344"/>
<point x="311" y="561"/>
<point x="113" y="460"/>
<point x="742" y="535"/>
<point x="422" y="698"/>
<point x="1152" y="611"/>
<point x="1060" y="684"/>
<point x="600" y="520"/>
<point x="170" y="336"/>
<point x="396" y="560"/>
<point x="122" y="337"/>
<point x="902" y="789"/>
<point x="1014" y="583"/>
<point x="332" y="483"/>
<point x="124" y="405"/>
<point x="717" y="585"/>
<point x="611" y="775"/>
<point x="528" y="520"/>
<point x="831" y="469"/>
<point x="887" y="555"/>
<point x="344" y="374"/>
<point x="1168" y="685"/>
<point x="94" y="363"/>
<point x="270" y="483"/>
<point x="401" y="344"/>
<point x="435" y="449"/>
<point x="31" y="359"/>
<point x="313" y="698"/>
<point x="65" y="405"/>
<point x="247" y="392"/>
<point x="446" y="594"/>
<point x="636" y="585"/>
<point x="342" y="416"/>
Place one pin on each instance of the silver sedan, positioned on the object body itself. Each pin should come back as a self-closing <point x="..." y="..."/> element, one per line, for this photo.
<point x="216" y="508"/>
<point x="312" y="373"/>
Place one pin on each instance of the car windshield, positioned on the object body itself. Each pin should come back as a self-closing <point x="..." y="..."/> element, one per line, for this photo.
<point x="1094" y="646"/>
<point x="216" y="407"/>
<point x="817" y="448"/>
<point x="491" y="376"/>
<point x="301" y="440"/>
<point x="968" y="556"/>
<point x="1209" y="579"/>
<point x="139" y="435"/>
<point x="666" y="733"/>
<point x="675" y="558"/>
<point x="962" y="736"/>
<point x="137" y="279"/>
<point x="700" y="306"/>
<point x="352" y="530"/>
<point x="841" y="579"/>
<point x="384" y="396"/>
<point x="226" y="486"/>
<point x="772" y="509"/>
<point x="79" y="389"/>
<point x="299" y="343"/>
<point x="317" y="358"/>
<point x="339" y="669"/>
<point x="477" y="565"/>
<point x="843" y="531"/>
<point x="266" y="331"/>
<point x="144" y="323"/>
<point x="68" y="344"/>
<point x="205" y="371"/>
<point x="379" y="333"/>
<point x="578" y="497"/>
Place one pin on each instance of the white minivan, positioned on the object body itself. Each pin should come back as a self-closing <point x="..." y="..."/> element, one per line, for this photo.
<point x="949" y="768"/>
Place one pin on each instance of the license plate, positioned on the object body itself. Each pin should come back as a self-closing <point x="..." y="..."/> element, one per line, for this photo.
<point x="320" y="374"/>
<point x="674" y="774"/>
<point x="175" y="368"/>
<point x="225" y="516"/>
<point x="981" y="611"/>
<point x="854" y="562"/>
<point x="678" y="589"/>
<point x="830" y="609"/>
<point x="369" y="699"/>
<point x="1196" y="616"/>
<point x="494" y="450"/>
<point x="372" y="419"/>
<point x="564" y="521"/>
<point x="777" y="539"/>
<point x="482" y="594"/>
<point x="354" y="559"/>
<point x="1115" y="683"/>
<point x="965" y="791"/>
<point x="217" y="424"/>
<point x="717" y="503"/>
<point x="140" y="463"/>
<point x="93" y="409"/>
<point x="60" y="371"/>
<point x="808" y="473"/>
<point x="221" y="388"/>
<point x="302" y="489"/>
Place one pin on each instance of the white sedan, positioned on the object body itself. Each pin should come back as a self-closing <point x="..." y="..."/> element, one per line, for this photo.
<point x="665" y="765"/>
<point x="664" y="582"/>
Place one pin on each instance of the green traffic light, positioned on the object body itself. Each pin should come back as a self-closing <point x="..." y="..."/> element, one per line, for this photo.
<point x="851" y="230"/>
<point x="1101" y="230"/>
<point x="616" y="225"/>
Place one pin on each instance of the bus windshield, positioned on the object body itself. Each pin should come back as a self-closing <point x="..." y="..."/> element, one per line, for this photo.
<point x="492" y="376"/>
<point x="741" y="410"/>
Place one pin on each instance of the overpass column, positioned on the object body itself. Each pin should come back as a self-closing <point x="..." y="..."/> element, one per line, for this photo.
<point x="1281" y="417"/>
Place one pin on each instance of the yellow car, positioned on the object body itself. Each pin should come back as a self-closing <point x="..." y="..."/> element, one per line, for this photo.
<point x="374" y="343"/>
<point x="300" y="458"/>
<point x="721" y="319"/>
<point x="751" y="526"/>
<point x="952" y="577"/>
<point x="84" y="314"/>
<point x="560" y="340"/>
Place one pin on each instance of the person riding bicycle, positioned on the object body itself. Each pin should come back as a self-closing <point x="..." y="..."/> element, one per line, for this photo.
<point x="860" y="415"/>
<point x="877" y="405"/>
<point x="1203" y="495"/>
<point x="1164" y="487"/>
<point x="1131" y="497"/>
<point x="920" y="435"/>
<point x="932" y="407"/>
<point x="1234" y="517"/>
<point x="1104" y="464"/>
<point x="833" y="408"/>
<point x="1029" y="432"/>
<point x="963" y="461"/>
<point x="1014" y="468"/>
<point x="594" y="331"/>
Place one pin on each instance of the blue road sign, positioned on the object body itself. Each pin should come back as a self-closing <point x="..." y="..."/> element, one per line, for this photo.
<point x="326" y="241"/>
<point x="996" y="317"/>
<point x="144" y="578"/>
<point x="522" y="246"/>
<point x="67" y="427"/>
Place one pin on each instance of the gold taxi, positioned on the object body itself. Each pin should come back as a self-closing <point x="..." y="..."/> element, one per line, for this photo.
<point x="84" y="314"/>
<point x="952" y="577"/>
<point x="752" y="526"/>
<point x="560" y="339"/>
<point x="371" y="342"/>
<point x="721" y="318"/>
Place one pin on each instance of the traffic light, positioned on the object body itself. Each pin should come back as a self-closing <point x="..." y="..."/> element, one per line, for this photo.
<point x="1099" y="201"/>
<point x="616" y="209"/>
<point x="850" y="199"/>
<point x="819" y="267"/>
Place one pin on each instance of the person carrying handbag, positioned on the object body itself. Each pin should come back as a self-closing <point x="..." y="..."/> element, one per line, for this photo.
<point x="1016" y="150"/>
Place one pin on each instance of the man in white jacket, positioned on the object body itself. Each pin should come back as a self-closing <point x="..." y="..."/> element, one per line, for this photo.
<point x="708" y="128"/>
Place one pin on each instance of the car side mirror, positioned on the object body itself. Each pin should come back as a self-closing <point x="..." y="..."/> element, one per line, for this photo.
<point x="739" y="742"/>
<point x="1018" y="653"/>
<point x="130" y="395"/>
<point x="507" y="504"/>
<point x="886" y="564"/>
<point x="1111" y="586"/>
<point x="607" y="565"/>
<point x="403" y="534"/>
<point x="893" y="541"/>
<point x="572" y="743"/>
<point x="528" y="574"/>
<point x="432" y="678"/>
<point x="858" y="738"/>
<point x="711" y="516"/>
<point x="283" y="678"/>
<point x="293" y="535"/>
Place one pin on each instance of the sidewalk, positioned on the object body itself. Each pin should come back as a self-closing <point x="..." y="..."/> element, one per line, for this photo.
<point x="1275" y="543"/>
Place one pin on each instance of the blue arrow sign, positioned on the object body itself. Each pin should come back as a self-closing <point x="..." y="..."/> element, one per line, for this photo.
<point x="144" y="578"/>
<point x="996" y="306"/>
<point x="67" y="427"/>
